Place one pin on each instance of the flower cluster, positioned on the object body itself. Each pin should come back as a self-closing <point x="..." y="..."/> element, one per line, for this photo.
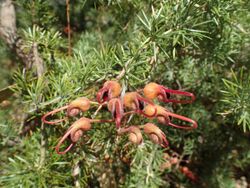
<point x="140" y="102"/>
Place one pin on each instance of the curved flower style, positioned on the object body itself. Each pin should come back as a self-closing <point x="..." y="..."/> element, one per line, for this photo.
<point x="116" y="108"/>
<point x="155" y="134"/>
<point x="51" y="113"/>
<point x="75" y="131"/>
<point x="163" y="116"/>
<point x="133" y="101"/>
<point x="110" y="89"/>
<point x="74" y="108"/>
<point x="153" y="90"/>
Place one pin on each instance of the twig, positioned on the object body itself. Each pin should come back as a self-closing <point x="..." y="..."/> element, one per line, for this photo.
<point x="8" y="32"/>
<point x="43" y="146"/>
<point x="98" y="109"/>
<point x="75" y="174"/>
<point x="37" y="60"/>
<point x="123" y="71"/>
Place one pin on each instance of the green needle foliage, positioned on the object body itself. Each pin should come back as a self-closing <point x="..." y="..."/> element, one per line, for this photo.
<point x="236" y="97"/>
<point x="192" y="45"/>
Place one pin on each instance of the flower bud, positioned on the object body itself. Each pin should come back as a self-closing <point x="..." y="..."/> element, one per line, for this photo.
<point x="114" y="86"/>
<point x="75" y="131"/>
<point x="130" y="100"/>
<point x="153" y="90"/>
<point x="158" y="112"/>
<point x="149" y="110"/>
<point x="134" y="101"/>
<point x="135" y="135"/>
<point x="77" y="105"/>
<point x="110" y="89"/>
<point x="78" y="128"/>
<point x="155" y="134"/>
<point x="164" y="116"/>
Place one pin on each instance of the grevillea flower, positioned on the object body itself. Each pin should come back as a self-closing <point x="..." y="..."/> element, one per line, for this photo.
<point x="153" y="90"/>
<point x="110" y="89"/>
<point x="163" y="116"/>
<point x="133" y="101"/>
<point x="109" y="95"/>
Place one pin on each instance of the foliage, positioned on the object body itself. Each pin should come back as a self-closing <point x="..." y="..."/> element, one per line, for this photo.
<point x="236" y="97"/>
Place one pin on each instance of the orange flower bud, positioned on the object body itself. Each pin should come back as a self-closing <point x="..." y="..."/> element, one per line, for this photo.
<point x="80" y="126"/>
<point x="110" y="89"/>
<point x="164" y="117"/>
<point x="153" y="90"/>
<point x="155" y="134"/>
<point x="77" y="105"/>
<point x="75" y="131"/>
<point x="130" y="100"/>
<point x="115" y="87"/>
<point x="134" y="101"/>
<point x="135" y="135"/>
<point x="161" y="115"/>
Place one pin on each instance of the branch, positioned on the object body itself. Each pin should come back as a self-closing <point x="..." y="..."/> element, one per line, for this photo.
<point x="75" y="174"/>
<point x="9" y="35"/>
<point x="43" y="146"/>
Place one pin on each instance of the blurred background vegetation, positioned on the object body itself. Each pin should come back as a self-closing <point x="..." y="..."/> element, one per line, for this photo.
<point x="194" y="45"/>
